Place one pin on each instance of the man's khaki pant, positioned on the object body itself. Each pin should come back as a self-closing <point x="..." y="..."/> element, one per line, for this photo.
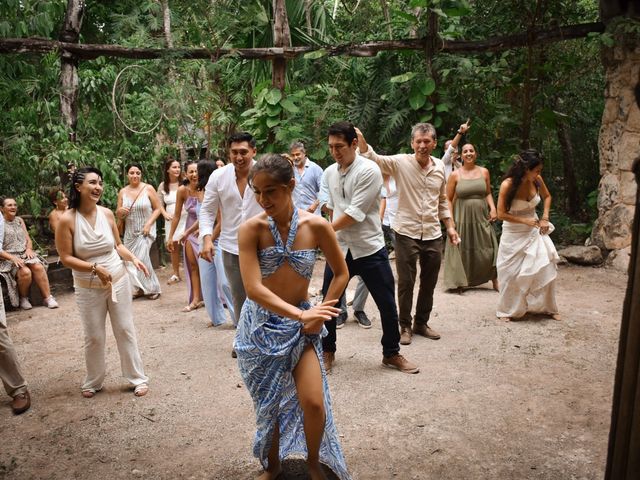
<point x="13" y="381"/>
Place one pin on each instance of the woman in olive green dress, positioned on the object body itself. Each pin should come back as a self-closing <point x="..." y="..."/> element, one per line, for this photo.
<point x="473" y="261"/>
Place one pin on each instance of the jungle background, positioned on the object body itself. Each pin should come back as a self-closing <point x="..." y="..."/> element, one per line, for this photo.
<point x="547" y="96"/>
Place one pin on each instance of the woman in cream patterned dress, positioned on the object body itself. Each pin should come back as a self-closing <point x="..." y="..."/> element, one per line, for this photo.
<point x="139" y="206"/>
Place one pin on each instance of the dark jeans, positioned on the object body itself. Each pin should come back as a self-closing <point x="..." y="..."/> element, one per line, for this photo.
<point x="376" y="274"/>
<point x="429" y="253"/>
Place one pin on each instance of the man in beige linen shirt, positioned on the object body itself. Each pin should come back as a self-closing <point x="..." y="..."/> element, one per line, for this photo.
<point x="422" y="203"/>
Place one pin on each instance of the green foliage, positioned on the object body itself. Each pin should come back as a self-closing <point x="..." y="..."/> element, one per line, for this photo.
<point x="198" y="102"/>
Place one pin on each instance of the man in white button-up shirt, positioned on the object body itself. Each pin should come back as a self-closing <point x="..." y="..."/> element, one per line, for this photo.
<point x="14" y="383"/>
<point x="354" y="185"/>
<point x="226" y="192"/>
<point x="422" y="204"/>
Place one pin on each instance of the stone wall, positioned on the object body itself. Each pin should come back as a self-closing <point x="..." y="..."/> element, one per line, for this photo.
<point x="619" y="144"/>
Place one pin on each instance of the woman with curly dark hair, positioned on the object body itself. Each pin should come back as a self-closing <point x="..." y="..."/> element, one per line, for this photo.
<point x="527" y="258"/>
<point x="88" y="242"/>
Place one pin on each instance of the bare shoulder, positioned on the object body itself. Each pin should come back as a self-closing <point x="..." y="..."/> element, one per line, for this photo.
<point x="254" y="224"/>
<point x="108" y="213"/>
<point x="67" y="218"/>
<point x="150" y="188"/>
<point x="485" y="172"/>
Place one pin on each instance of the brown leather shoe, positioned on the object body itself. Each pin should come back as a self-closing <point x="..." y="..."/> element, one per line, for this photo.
<point x="21" y="403"/>
<point x="426" y="331"/>
<point x="398" y="362"/>
<point x="405" y="336"/>
<point x="328" y="358"/>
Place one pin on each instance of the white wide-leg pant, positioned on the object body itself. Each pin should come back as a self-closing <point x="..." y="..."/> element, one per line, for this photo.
<point x="93" y="304"/>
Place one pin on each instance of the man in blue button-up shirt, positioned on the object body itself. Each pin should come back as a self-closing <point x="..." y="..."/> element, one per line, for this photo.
<point x="308" y="179"/>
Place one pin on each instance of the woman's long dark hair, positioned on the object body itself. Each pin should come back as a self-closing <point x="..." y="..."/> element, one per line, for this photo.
<point x="76" y="179"/>
<point x="165" y="174"/>
<point x="274" y="164"/>
<point x="525" y="161"/>
<point x="205" y="169"/>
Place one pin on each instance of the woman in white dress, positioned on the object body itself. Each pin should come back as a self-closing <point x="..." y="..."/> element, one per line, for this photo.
<point x="167" y="191"/>
<point x="139" y="206"/>
<point x="527" y="258"/>
<point x="88" y="242"/>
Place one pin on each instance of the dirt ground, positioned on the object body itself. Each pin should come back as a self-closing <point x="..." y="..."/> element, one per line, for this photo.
<point x="520" y="400"/>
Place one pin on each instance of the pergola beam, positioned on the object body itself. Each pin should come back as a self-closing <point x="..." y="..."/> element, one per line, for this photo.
<point x="365" y="49"/>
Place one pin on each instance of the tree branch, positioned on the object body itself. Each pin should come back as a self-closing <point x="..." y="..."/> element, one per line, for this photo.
<point x="365" y="49"/>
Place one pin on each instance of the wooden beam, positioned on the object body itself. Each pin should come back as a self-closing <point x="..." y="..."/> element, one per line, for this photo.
<point x="365" y="49"/>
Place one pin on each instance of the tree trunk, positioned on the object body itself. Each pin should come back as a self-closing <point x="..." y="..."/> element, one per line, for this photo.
<point x="307" y="16"/>
<point x="70" y="33"/>
<point x="281" y="38"/>
<point x="166" y="23"/>
<point x="568" y="162"/>
<point x="387" y="18"/>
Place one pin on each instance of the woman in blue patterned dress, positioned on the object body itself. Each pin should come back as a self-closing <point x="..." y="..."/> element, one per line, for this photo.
<point x="278" y="341"/>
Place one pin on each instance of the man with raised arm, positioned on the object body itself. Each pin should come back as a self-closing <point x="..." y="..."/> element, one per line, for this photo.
<point x="226" y="192"/>
<point x="422" y="203"/>
<point x="353" y="185"/>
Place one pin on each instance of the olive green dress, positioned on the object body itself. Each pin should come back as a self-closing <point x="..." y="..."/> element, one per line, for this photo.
<point x="473" y="261"/>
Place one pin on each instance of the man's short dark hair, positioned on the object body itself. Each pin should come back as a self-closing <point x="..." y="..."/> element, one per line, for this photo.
<point x="345" y="130"/>
<point x="240" y="137"/>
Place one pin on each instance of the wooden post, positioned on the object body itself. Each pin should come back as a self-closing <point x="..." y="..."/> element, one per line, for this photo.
<point x="281" y="38"/>
<point x="623" y="459"/>
<point x="69" y="66"/>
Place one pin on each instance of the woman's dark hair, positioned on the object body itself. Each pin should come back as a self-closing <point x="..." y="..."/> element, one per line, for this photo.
<point x="525" y="161"/>
<point x="137" y="165"/>
<point x="78" y="177"/>
<point x="165" y="173"/>
<point x="205" y="169"/>
<point x="185" y="180"/>
<point x="274" y="165"/>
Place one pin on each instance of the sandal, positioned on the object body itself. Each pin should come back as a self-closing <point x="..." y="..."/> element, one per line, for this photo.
<point x="141" y="390"/>
<point x="137" y="294"/>
<point x="90" y="392"/>
<point x="153" y="296"/>
<point x="173" y="279"/>
<point x="193" y="306"/>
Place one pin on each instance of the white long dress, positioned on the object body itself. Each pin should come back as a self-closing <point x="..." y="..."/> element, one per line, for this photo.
<point x="526" y="265"/>
<point x="139" y="244"/>
<point x="169" y="201"/>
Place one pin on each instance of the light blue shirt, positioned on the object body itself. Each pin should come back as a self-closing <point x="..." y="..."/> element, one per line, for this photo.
<point x="308" y="185"/>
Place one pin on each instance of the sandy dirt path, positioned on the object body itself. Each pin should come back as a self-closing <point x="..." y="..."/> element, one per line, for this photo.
<point x="519" y="400"/>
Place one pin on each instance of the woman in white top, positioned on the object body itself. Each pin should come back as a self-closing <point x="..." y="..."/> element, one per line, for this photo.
<point x="527" y="258"/>
<point x="167" y="191"/>
<point x="88" y="242"/>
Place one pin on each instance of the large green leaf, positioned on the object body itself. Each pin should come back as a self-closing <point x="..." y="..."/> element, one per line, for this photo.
<point x="289" y="106"/>
<point x="428" y="86"/>
<point x="405" y="77"/>
<point x="416" y="98"/>
<point x="273" y="96"/>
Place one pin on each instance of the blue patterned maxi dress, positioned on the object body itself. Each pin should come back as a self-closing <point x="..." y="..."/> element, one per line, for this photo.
<point x="269" y="347"/>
